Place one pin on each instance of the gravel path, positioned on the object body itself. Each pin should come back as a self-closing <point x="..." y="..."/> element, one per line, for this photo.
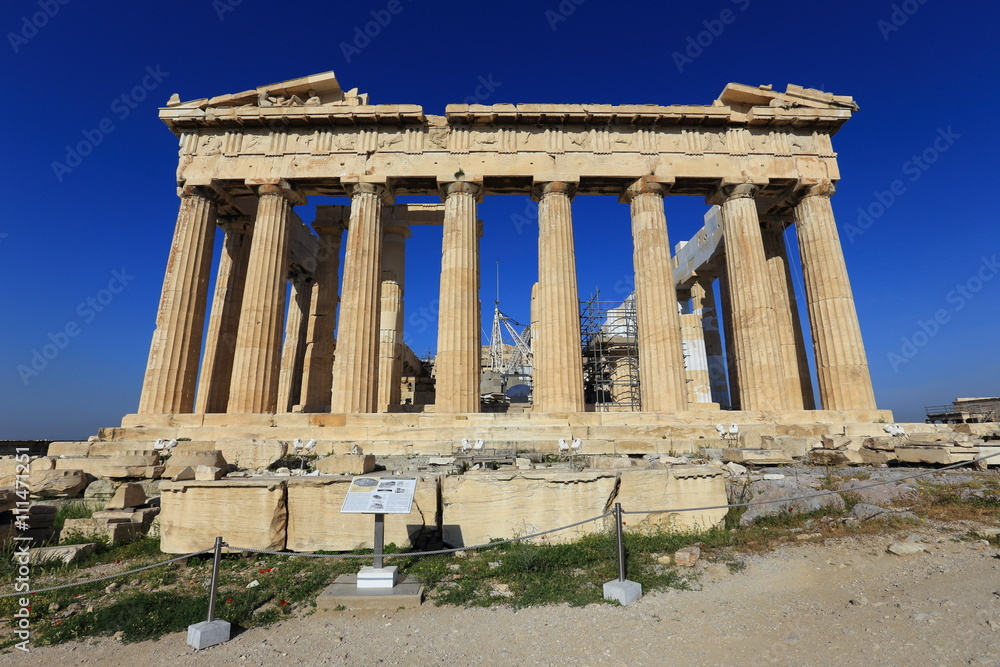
<point x="844" y="601"/>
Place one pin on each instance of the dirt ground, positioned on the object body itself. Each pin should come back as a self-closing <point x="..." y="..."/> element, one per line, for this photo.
<point x="845" y="602"/>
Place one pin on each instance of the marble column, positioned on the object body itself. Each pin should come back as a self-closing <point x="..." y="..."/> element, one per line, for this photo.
<point x="256" y="364"/>
<point x="293" y="352"/>
<point x="798" y="384"/>
<point x="841" y="365"/>
<point x="458" y="349"/>
<point x="390" y="368"/>
<point x="224" y="320"/>
<point x="758" y="358"/>
<point x="697" y="381"/>
<point x="172" y="369"/>
<point x="661" y="359"/>
<point x="557" y="357"/>
<point x="317" y="372"/>
<point x="703" y="305"/>
<point x="355" y="365"/>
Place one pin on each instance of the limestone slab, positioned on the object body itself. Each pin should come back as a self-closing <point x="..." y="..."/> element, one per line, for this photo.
<point x="675" y="488"/>
<point x="57" y="483"/>
<point x="250" y="513"/>
<point x="476" y="508"/>
<point x="315" y="522"/>
<point x="127" y="495"/>
<point x="346" y="464"/>
<point x="251" y="454"/>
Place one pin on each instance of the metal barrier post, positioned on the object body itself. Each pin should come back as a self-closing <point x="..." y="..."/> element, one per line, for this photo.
<point x="621" y="544"/>
<point x="215" y="579"/>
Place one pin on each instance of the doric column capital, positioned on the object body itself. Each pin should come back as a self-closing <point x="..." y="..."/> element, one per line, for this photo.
<point x="380" y="190"/>
<point x="815" y="189"/>
<point x="396" y="228"/>
<point x="280" y="188"/>
<point x="644" y="186"/>
<point x="235" y="224"/>
<point x="200" y="191"/>
<point x="543" y="189"/>
<point x="729" y="191"/>
<point x="448" y="188"/>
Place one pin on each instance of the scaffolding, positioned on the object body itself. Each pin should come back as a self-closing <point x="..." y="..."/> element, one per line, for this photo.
<point x="610" y="354"/>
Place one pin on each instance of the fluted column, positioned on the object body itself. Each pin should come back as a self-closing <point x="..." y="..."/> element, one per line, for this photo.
<point x="703" y="305"/>
<point x="841" y="365"/>
<point x="756" y="351"/>
<point x="317" y="372"/>
<point x="224" y="320"/>
<point x="661" y="359"/>
<point x="458" y="348"/>
<point x="798" y="385"/>
<point x="557" y="355"/>
<point x="172" y="369"/>
<point x="254" y="387"/>
<point x="698" y="384"/>
<point x="294" y="349"/>
<point x="355" y="365"/>
<point x="390" y="368"/>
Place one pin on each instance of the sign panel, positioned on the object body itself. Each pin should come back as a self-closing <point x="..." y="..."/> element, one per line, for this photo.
<point x="379" y="495"/>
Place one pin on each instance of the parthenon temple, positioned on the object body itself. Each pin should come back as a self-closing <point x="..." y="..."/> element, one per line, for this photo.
<point x="302" y="337"/>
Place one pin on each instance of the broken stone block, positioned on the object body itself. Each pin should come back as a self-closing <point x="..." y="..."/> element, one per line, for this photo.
<point x="207" y="473"/>
<point x="8" y="498"/>
<point x="41" y="516"/>
<point x="250" y="513"/>
<point x="116" y="531"/>
<point x="750" y="440"/>
<point x="129" y="464"/>
<point x="57" y="483"/>
<point x="252" y="454"/>
<point x="66" y="553"/>
<point x="834" y="457"/>
<point x="184" y="475"/>
<point x="687" y="557"/>
<point x="40" y="464"/>
<point x="346" y="464"/>
<point x="677" y="487"/>
<point x="763" y="457"/>
<point x="127" y="495"/>
<point x="76" y="448"/>
<point x="315" y="522"/>
<point x="488" y="505"/>
<point x="100" y="489"/>
<point x="182" y="459"/>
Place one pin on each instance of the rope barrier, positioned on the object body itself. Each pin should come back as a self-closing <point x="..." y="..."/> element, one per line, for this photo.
<point x="439" y="552"/>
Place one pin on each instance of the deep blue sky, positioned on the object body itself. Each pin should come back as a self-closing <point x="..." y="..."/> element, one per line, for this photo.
<point x="61" y="240"/>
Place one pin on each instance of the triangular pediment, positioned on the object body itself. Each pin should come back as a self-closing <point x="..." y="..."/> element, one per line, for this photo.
<point x="741" y="97"/>
<point x="316" y="90"/>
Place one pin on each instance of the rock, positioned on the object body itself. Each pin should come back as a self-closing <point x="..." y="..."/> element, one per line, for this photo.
<point x="987" y="533"/>
<point x="315" y="522"/>
<point x="859" y="601"/>
<point x="346" y="464"/>
<point x="100" y="489"/>
<point x="665" y="560"/>
<point x="882" y="495"/>
<point x="687" y="557"/>
<point x="57" y="483"/>
<point x="905" y="548"/>
<point x="864" y="512"/>
<point x="66" y="553"/>
<point x="250" y="513"/>
<point x="127" y="495"/>
<point x="252" y="454"/>
<point x="835" y="457"/>
<point x="773" y="477"/>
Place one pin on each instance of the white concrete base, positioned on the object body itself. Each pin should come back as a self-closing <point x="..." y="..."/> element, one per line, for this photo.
<point x="625" y="592"/>
<point x="372" y="577"/>
<point x="208" y="633"/>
